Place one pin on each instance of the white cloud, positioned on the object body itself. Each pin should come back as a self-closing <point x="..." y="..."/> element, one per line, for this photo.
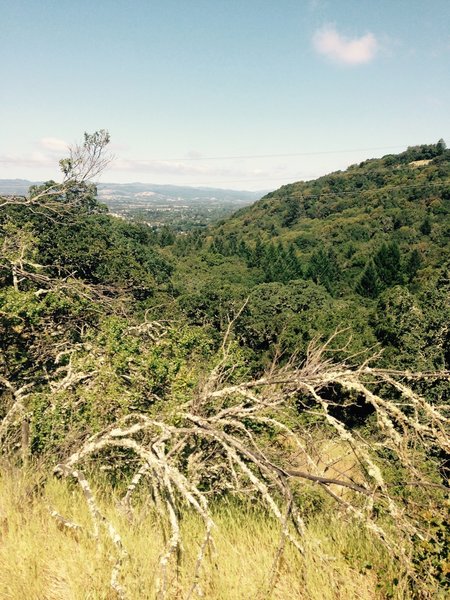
<point x="180" y="168"/>
<point x="44" y="153"/>
<point x="158" y="167"/>
<point x="235" y="174"/>
<point x="35" y="159"/>
<point x="53" y="144"/>
<point x="343" y="50"/>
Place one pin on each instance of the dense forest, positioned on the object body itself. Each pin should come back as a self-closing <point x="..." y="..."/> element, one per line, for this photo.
<point x="293" y="358"/>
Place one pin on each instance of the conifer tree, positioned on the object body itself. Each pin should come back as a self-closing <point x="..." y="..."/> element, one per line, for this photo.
<point x="258" y="254"/>
<point x="281" y="252"/>
<point x="244" y="251"/>
<point x="368" y="284"/>
<point x="388" y="265"/>
<point x="323" y="268"/>
<point x="270" y="263"/>
<point x="166" y="237"/>
<point x="293" y="266"/>
<point x="425" y="228"/>
<point x="218" y="245"/>
<point x="293" y="211"/>
<point x="413" y="265"/>
<point x="232" y="245"/>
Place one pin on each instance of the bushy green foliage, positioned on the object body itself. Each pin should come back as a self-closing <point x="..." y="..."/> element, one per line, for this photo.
<point x="358" y="234"/>
<point x="369" y="284"/>
<point x="91" y="246"/>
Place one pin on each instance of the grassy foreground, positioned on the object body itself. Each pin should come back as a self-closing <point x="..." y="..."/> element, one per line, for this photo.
<point x="40" y="560"/>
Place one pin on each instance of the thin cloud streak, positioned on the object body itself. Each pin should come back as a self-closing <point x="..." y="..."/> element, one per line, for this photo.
<point x="346" y="51"/>
<point x="36" y="160"/>
<point x="41" y="166"/>
<point x="53" y="144"/>
<point x="179" y="168"/>
<point x="48" y="151"/>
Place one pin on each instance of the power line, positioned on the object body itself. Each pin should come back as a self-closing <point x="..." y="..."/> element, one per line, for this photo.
<point x="216" y="183"/>
<point x="244" y="156"/>
<point x="380" y="190"/>
<point x="280" y="178"/>
<point x="312" y="181"/>
<point x="359" y="192"/>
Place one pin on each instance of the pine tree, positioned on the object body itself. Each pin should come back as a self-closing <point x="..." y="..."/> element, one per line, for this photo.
<point x="388" y="264"/>
<point x="232" y="245"/>
<point x="218" y="245"/>
<point x="293" y="266"/>
<point x="281" y="263"/>
<point x="166" y="237"/>
<point x="256" y="259"/>
<point x="368" y="284"/>
<point x="441" y="146"/>
<point x="269" y="263"/>
<point x="244" y="251"/>
<point x="425" y="228"/>
<point x="323" y="268"/>
<point x="293" y="211"/>
<point x="413" y="265"/>
<point x="281" y="252"/>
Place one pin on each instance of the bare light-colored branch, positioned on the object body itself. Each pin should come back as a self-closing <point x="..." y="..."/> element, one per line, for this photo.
<point x="217" y="422"/>
<point x="85" y="162"/>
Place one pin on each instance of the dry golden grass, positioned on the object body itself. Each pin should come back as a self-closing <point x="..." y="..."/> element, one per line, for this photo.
<point x="40" y="560"/>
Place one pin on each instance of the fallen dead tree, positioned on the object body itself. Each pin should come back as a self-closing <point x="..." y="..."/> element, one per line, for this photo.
<point x="224" y="441"/>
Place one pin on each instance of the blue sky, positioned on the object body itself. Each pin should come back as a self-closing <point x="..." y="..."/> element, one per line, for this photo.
<point x="294" y="89"/>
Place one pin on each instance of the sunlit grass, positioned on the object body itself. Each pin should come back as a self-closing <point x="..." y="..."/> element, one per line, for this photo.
<point x="39" y="560"/>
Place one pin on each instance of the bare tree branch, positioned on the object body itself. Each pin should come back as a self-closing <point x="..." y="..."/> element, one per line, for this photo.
<point x="217" y="423"/>
<point x="85" y="162"/>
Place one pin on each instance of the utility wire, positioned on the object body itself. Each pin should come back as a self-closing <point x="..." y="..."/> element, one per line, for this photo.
<point x="363" y="192"/>
<point x="279" y="178"/>
<point x="244" y="156"/>
<point x="380" y="190"/>
<point x="312" y="182"/>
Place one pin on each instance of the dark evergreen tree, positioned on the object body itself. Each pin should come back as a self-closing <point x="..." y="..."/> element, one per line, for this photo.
<point x="368" y="285"/>
<point x="425" y="228"/>
<point x="413" y="265"/>
<point x="231" y="245"/>
<point x="280" y="273"/>
<point x="323" y="268"/>
<point x="281" y="252"/>
<point x="258" y="254"/>
<point x="199" y="239"/>
<point x="270" y="263"/>
<point x="273" y="230"/>
<point x="218" y="245"/>
<point x="388" y="264"/>
<point x="292" y="211"/>
<point x="293" y="266"/>
<point x="441" y="146"/>
<point x="244" y="251"/>
<point x="166" y="237"/>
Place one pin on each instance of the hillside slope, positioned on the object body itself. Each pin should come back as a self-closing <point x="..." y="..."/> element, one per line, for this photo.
<point x="404" y="199"/>
<point x="367" y="248"/>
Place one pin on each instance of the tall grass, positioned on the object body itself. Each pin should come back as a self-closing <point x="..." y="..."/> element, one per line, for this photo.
<point x="41" y="560"/>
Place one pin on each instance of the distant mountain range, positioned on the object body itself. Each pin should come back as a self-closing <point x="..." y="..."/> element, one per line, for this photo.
<point x="15" y="186"/>
<point x="158" y="205"/>
<point x="141" y="194"/>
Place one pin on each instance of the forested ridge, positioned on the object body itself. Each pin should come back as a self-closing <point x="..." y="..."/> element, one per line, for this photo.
<point x="366" y="248"/>
<point x="296" y="354"/>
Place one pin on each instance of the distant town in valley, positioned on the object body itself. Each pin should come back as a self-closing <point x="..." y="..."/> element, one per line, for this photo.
<point x="181" y="207"/>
